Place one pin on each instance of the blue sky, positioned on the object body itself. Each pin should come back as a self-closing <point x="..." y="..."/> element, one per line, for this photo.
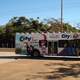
<point x="39" y="8"/>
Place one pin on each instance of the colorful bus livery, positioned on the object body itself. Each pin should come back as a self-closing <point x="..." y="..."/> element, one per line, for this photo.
<point x="50" y="44"/>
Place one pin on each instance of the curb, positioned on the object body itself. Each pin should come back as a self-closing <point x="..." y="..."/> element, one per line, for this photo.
<point x="42" y="58"/>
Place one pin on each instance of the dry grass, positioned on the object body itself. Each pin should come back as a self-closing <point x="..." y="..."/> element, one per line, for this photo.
<point x="7" y="49"/>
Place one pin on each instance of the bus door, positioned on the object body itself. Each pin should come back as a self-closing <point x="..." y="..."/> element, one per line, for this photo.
<point x="52" y="48"/>
<point x="55" y="47"/>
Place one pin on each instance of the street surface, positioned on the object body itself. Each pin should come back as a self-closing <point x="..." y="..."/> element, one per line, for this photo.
<point x="36" y="69"/>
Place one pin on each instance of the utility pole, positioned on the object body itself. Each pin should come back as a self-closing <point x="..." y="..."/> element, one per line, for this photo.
<point x="61" y="15"/>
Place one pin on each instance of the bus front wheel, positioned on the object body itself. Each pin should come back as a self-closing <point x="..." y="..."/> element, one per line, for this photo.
<point x="36" y="53"/>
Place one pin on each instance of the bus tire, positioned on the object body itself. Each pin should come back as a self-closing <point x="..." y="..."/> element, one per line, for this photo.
<point x="36" y="53"/>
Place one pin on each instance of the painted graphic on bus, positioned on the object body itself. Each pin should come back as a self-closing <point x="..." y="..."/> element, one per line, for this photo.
<point x="51" y="44"/>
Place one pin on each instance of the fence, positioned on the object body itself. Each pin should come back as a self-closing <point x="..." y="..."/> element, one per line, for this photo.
<point x="7" y="41"/>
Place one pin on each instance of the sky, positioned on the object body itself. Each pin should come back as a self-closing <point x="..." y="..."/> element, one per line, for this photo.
<point x="40" y="8"/>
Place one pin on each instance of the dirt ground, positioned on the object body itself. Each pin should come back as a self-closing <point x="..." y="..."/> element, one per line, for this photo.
<point x="33" y="69"/>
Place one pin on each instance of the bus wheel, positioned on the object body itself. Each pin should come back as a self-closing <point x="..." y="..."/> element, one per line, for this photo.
<point x="36" y="53"/>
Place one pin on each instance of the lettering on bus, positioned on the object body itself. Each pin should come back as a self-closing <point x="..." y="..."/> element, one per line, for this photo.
<point x="65" y="36"/>
<point x="22" y="38"/>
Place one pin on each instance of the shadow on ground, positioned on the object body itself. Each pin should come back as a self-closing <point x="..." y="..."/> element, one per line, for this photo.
<point x="64" y="70"/>
<point x="58" y="71"/>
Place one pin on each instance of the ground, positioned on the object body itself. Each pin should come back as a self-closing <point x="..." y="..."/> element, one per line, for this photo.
<point x="36" y="69"/>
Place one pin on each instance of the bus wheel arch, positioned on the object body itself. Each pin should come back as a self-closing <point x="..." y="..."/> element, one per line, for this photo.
<point x="36" y="53"/>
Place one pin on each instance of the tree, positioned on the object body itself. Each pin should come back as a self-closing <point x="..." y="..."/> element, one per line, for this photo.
<point x="55" y="25"/>
<point x="23" y="24"/>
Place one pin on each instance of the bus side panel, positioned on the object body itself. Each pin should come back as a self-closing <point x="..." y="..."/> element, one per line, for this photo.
<point x="19" y="45"/>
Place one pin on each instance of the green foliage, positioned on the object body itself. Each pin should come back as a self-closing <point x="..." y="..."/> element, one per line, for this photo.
<point x="23" y="24"/>
<point x="70" y="28"/>
<point x="1" y="29"/>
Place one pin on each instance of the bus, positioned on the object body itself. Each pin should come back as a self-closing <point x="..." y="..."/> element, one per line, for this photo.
<point x="48" y="44"/>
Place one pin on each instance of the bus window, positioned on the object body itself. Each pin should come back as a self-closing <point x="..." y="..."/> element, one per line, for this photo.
<point x="52" y="48"/>
<point x="62" y="43"/>
<point x="55" y="47"/>
<point x="77" y="43"/>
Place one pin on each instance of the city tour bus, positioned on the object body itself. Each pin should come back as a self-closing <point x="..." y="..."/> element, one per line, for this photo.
<point x="48" y="44"/>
